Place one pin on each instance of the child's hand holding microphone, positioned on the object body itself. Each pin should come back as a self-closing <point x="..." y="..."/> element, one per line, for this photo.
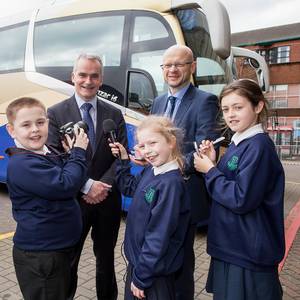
<point x="118" y="150"/>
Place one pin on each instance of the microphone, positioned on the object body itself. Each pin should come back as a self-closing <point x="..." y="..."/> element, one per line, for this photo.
<point x="109" y="129"/>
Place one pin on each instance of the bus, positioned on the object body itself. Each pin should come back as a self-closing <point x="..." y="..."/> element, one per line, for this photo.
<point x="39" y="48"/>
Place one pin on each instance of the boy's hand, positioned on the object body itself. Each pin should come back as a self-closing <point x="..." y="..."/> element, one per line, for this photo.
<point x="68" y="143"/>
<point x="81" y="139"/>
<point x="140" y="294"/>
<point x="118" y="150"/>
<point x="202" y="163"/>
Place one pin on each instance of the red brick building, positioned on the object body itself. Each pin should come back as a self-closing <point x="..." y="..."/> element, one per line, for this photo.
<point x="280" y="46"/>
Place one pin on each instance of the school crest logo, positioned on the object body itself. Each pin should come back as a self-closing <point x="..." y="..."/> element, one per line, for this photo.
<point x="232" y="164"/>
<point x="149" y="195"/>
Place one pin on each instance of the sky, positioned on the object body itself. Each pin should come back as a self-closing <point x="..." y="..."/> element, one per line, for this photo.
<point x="244" y="15"/>
<point x="255" y="14"/>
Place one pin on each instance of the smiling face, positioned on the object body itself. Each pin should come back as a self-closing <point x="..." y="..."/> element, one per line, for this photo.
<point x="154" y="147"/>
<point x="238" y="112"/>
<point x="87" y="78"/>
<point x="30" y="128"/>
<point x="178" y="77"/>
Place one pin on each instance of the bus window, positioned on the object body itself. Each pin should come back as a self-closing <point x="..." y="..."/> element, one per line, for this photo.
<point x="209" y="73"/>
<point x="212" y="72"/>
<point x="141" y="29"/>
<point x="12" y="52"/>
<point x="151" y="61"/>
<point x="148" y="46"/>
<point x="141" y="92"/>
<point x="58" y="43"/>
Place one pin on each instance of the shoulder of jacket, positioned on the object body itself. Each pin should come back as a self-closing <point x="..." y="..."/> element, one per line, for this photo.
<point x="108" y="106"/>
<point x="59" y="105"/>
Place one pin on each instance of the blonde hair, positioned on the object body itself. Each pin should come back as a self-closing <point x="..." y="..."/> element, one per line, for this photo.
<point x="16" y="105"/>
<point x="169" y="131"/>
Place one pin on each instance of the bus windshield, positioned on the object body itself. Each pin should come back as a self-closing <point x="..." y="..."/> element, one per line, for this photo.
<point x="212" y="72"/>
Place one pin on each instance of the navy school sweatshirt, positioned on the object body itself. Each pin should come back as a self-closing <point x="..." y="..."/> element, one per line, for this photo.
<point x="157" y="222"/>
<point x="42" y="190"/>
<point x="246" y="225"/>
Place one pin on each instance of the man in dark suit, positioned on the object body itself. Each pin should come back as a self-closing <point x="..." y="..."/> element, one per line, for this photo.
<point x="100" y="201"/>
<point x="194" y="111"/>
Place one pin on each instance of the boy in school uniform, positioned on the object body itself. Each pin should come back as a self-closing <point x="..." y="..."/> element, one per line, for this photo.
<point x="42" y="187"/>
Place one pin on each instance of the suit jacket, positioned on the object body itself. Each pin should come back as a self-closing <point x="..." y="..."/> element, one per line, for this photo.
<point x="101" y="163"/>
<point x="197" y="116"/>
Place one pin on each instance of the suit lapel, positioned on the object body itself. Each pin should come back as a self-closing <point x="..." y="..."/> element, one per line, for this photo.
<point x="163" y="105"/>
<point x="99" y="127"/>
<point x="73" y="110"/>
<point x="184" y="105"/>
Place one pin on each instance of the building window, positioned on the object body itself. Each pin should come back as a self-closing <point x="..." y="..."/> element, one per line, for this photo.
<point x="296" y="124"/>
<point x="278" y="87"/>
<point x="276" y="55"/>
<point x="283" y="54"/>
<point x="279" y="103"/>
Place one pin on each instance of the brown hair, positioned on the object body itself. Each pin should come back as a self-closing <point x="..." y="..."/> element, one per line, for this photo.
<point x="166" y="128"/>
<point x="249" y="89"/>
<point x="16" y="105"/>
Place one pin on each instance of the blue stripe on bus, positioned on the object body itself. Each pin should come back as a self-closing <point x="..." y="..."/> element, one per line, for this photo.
<point x="6" y="141"/>
<point x="126" y="201"/>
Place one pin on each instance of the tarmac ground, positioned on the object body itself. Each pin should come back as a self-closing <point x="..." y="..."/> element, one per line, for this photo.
<point x="289" y="275"/>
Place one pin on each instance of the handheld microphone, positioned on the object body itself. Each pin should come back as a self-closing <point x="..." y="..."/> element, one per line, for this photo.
<point x="109" y="129"/>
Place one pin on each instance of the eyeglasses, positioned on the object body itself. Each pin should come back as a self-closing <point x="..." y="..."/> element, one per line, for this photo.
<point x="176" y="65"/>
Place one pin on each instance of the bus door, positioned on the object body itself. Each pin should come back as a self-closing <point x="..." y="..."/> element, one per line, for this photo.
<point x="150" y="36"/>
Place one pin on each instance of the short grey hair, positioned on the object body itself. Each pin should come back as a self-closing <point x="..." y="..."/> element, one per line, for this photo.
<point x="89" y="57"/>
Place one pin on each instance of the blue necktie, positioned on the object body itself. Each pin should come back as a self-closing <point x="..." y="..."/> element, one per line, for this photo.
<point x="172" y="101"/>
<point x="88" y="120"/>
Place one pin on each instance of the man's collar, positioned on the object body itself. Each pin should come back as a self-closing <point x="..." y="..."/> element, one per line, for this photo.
<point x="80" y="101"/>
<point x="180" y="93"/>
<point x="252" y="131"/>
<point x="169" y="166"/>
<point x="44" y="151"/>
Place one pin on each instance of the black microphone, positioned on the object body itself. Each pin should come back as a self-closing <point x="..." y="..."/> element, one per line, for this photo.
<point x="109" y="129"/>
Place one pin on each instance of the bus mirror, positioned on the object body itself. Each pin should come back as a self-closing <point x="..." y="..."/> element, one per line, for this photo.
<point x="218" y="23"/>
<point x="245" y="62"/>
<point x="253" y="63"/>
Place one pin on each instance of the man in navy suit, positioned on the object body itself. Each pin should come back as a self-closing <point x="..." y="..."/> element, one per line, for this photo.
<point x="100" y="200"/>
<point x="194" y="111"/>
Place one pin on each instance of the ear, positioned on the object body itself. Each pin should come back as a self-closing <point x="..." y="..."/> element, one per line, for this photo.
<point x="173" y="142"/>
<point x="72" y="77"/>
<point x="259" y="107"/>
<point x="10" y="130"/>
<point x="193" y="67"/>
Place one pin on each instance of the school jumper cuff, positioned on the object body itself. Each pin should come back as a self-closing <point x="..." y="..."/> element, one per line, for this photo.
<point x="138" y="283"/>
<point x="78" y="152"/>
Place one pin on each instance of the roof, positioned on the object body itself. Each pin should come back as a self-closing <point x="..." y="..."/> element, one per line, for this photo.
<point x="266" y="36"/>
